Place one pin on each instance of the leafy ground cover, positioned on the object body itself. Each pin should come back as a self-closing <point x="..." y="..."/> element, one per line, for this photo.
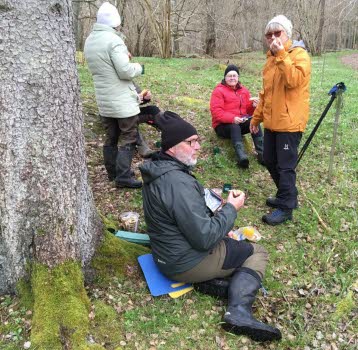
<point x="312" y="275"/>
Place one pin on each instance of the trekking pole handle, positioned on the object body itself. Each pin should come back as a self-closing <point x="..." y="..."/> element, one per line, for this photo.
<point x="339" y="86"/>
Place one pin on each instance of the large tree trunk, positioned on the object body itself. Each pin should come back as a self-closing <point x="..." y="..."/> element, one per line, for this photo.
<point x="47" y="213"/>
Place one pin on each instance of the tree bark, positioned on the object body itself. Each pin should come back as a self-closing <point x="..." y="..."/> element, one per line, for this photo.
<point x="47" y="211"/>
<point x="77" y="25"/>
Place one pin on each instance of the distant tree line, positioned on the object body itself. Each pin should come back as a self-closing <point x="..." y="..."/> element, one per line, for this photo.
<point x="174" y="28"/>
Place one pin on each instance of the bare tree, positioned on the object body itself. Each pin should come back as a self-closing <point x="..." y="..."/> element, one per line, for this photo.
<point x="210" y="40"/>
<point x="159" y="18"/>
<point x="318" y="50"/>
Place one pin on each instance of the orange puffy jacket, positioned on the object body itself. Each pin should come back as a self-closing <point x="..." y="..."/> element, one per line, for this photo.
<point x="284" y="100"/>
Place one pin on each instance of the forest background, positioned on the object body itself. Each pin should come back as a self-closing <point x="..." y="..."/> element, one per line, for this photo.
<point x="175" y="28"/>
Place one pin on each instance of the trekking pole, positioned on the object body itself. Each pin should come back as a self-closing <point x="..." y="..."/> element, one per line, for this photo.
<point x="334" y="139"/>
<point x="339" y="87"/>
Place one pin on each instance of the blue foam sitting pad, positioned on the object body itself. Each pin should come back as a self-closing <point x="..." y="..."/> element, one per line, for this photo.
<point x="158" y="284"/>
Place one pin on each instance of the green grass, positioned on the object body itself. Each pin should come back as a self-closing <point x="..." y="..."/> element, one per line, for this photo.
<point x="312" y="268"/>
<point x="312" y="274"/>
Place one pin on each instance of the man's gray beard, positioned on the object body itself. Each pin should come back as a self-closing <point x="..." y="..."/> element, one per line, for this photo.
<point x="188" y="161"/>
<point x="191" y="163"/>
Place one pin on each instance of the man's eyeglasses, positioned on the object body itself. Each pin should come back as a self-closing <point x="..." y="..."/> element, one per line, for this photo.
<point x="192" y="143"/>
<point x="232" y="76"/>
<point x="276" y="34"/>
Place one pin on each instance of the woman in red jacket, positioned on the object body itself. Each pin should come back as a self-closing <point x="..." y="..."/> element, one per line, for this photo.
<point x="231" y="109"/>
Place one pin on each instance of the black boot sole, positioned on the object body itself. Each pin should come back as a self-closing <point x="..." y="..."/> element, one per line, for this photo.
<point x="259" y="335"/>
<point x="128" y="186"/>
<point x="272" y="223"/>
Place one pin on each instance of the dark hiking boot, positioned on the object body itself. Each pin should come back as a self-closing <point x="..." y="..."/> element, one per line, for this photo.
<point x="242" y="160"/>
<point x="277" y="217"/>
<point x="259" y="147"/>
<point x="217" y="287"/>
<point x="238" y="318"/>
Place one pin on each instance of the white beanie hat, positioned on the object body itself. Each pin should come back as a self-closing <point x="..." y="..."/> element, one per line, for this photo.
<point x="284" y="22"/>
<point x="107" y="14"/>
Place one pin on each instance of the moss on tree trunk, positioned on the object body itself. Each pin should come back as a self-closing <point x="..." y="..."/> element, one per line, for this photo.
<point x="61" y="306"/>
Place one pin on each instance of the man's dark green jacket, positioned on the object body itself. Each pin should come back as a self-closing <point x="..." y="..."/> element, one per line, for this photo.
<point x="181" y="228"/>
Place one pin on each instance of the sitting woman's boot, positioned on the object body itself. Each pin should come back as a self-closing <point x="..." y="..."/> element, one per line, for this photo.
<point x="238" y="318"/>
<point x="242" y="160"/>
<point x="259" y="147"/>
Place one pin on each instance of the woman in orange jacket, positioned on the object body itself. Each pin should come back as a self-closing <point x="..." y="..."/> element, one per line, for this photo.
<point x="284" y="110"/>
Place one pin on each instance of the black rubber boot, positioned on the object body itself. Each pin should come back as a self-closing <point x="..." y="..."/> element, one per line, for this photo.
<point x="143" y="148"/>
<point x="110" y="156"/>
<point x="242" y="160"/>
<point x="238" y="317"/>
<point x="123" y="168"/>
<point x="259" y="147"/>
<point x="217" y="287"/>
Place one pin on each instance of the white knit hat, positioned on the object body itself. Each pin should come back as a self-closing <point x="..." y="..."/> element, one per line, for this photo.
<point x="107" y="14"/>
<point x="284" y="22"/>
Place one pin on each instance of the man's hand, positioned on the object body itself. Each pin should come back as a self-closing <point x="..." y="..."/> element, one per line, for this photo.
<point x="236" y="198"/>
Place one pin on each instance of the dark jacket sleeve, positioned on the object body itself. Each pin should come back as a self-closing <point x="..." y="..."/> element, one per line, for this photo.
<point x="202" y="231"/>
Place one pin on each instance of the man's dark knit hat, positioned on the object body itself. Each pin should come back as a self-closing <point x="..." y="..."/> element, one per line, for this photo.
<point x="231" y="67"/>
<point x="174" y="129"/>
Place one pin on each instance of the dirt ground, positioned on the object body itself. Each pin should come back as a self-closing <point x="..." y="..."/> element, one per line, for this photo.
<point x="351" y="60"/>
